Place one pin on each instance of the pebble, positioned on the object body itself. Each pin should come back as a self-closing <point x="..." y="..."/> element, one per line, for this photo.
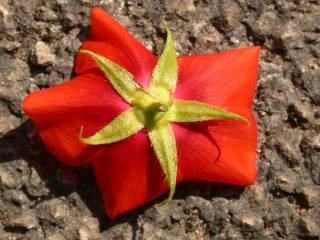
<point x="181" y="6"/>
<point x="313" y="141"/>
<point x="151" y="231"/>
<point x="311" y="227"/>
<point x="310" y="195"/>
<point x="33" y="87"/>
<point x="253" y="222"/>
<point x="35" y="186"/>
<point x="6" y="21"/>
<point x="266" y="25"/>
<point x="288" y="142"/>
<point x="291" y="37"/>
<point x="89" y="229"/>
<point x="119" y="231"/>
<point x="163" y="214"/>
<point x="258" y="193"/>
<point x="299" y="113"/>
<point x="205" y="207"/>
<point x="46" y="14"/>
<point x="285" y="181"/>
<point x="311" y="146"/>
<point x="8" y="121"/>
<point x="43" y="55"/>
<point x="308" y="73"/>
<point x="27" y="219"/>
<point x="12" y="70"/>
<point x="55" y="236"/>
<point x="279" y="215"/>
<point x="9" y="45"/>
<point x="55" y="211"/>
<point x="16" y="196"/>
<point x="9" y="178"/>
<point x="228" y="17"/>
<point x="243" y="216"/>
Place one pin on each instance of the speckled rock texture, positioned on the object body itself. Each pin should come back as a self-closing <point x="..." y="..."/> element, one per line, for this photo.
<point x="40" y="198"/>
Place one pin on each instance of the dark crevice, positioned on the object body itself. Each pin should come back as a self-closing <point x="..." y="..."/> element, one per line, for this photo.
<point x="16" y="229"/>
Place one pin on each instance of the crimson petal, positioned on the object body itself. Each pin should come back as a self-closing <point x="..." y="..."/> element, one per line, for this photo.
<point x="128" y="174"/>
<point x="107" y="33"/>
<point x="226" y="79"/>
<point x="60" y="111"/>
<point x="220" y="151"/>
<point x="225" y="150"/>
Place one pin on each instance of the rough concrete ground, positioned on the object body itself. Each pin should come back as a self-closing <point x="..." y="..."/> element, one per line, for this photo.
<point x="42" y="199"/>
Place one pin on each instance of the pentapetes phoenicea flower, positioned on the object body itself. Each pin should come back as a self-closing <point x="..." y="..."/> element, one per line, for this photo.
<point x="146" y="124"/>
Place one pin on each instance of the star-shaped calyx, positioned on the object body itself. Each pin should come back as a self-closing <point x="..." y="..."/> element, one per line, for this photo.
<point x="153" y="108"/>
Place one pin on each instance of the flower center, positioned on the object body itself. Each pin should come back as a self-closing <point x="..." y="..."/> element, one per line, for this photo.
<point x="151" y="109"/>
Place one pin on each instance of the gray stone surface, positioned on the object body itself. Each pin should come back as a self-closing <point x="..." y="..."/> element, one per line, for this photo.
<point x="40" y="198"/>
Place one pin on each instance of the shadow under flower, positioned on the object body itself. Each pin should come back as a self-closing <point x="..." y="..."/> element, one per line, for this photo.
<point x="60" y="180"/>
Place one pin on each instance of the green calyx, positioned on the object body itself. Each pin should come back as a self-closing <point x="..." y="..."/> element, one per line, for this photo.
<point x="153" y="108"/>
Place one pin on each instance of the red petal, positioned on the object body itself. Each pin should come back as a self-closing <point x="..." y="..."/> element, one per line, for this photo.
<point x="222" y="151"/>
<point x="128" y="174"/>
<point x="224" y="79"/>
<point x="60" y="111"/>
<point x="117" y="41"/>
<point x="84" y="64"/>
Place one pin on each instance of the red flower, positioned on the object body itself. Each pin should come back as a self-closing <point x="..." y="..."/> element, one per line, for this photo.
<point x="128" y="172"/>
